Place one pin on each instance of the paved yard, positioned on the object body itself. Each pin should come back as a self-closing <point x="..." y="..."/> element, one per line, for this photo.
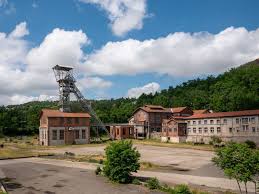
<point x="180" y="157"/>
<point x="29" y="176"/>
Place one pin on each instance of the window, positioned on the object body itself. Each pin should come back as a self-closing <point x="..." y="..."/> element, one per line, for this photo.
<point x="252" y="120"/>
<point x="83" y="134"/>
<point x="237" y="129"/>
<point x="200" y="130"/>
<point x="194" y="130"/>
<point x="253" y="129"/>
<point x="230" y="130"/>
<point x="123" y="131"/>
<point x="212" y="129"/>
<point x="61" y="120"/>
<point x="244" y="120"/>
<point x="77" y="120"/>
<point x="205" y="122"/>
<point x="205" y="130"/>
<point x="199" y="122"/>
<point x="54" y="134"/>
<point x="218" y="130"/>
<point x="218" y="121"/>
<point x="189" y="130"/>
<point x="245" y="127"/>
<point x="237" y="121"/>
<point x="175" y="130"/>
<point x="225" y="121"/>
<point x="77" y="134"/>
<point x="118" y="131"/>
<point x="189" y="122"/>
<point x="69" y="120"/>
<point x="211" y="121"/>
<point x="61" y="134"/>
<point x="194" y="122"/>
<point x="158" y="129"/>
<point x="170" y="130"/>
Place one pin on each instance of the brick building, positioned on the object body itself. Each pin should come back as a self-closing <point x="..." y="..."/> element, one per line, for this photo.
<point x="147" y="120"/>
<point x="201" y="126"/>
<point x="58" y="128"/>
<point x="122" y="131"/>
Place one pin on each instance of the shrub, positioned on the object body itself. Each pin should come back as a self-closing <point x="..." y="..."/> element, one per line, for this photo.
<point x="215" y="140"/>
<point x="135" y="181"/>
<point x="153" y="183"/>
<point x="251" y="144"/>
<point x="98" y="170"/>
<point x="181" y="189"/>
<point x="121" y="160"/>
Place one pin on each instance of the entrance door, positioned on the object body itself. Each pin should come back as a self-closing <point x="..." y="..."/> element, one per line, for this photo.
<point x="69" y="137"/>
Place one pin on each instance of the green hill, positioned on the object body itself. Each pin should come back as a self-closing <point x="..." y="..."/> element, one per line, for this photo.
<point x="236" y="89"/>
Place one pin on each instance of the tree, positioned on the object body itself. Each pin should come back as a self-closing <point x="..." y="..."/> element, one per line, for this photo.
<point x="121" y="160"/>
<point x="239" y="162"/>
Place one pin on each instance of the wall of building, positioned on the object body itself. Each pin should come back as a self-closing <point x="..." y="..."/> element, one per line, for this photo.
<point x="122" y="132"/>
<point x="227" y="128"/>
<point x="237" y="129"/>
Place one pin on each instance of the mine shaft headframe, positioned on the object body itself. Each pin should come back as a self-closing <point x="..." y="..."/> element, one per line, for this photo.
<point x="66" y="82"/>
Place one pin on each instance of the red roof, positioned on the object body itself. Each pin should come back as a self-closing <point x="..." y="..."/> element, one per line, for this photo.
<point x="57" y="113"/>
<point x="200" y="111"/>
<point x="224" y="114"/>
<point x="154" y="108"/>
<point x="178" y="109"/>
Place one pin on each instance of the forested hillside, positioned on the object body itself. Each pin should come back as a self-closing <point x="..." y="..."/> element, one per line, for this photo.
<point x="237" y="89"/>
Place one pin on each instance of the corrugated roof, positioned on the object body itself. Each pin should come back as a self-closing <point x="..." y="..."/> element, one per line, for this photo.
<point x="57" y="113"/>
<point x="224" y="114"/>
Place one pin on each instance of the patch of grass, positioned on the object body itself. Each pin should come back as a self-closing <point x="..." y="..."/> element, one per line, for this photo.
<point x="148" y="166"/>
<point x="153" y="183"/>
<point x="204" y="147"/>
<point x="135" y="181"/>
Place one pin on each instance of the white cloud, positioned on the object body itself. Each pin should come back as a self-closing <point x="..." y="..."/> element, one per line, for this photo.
<point x="94" y="82"/>
<point x="19" y="31"/>
<point x="125" y="15"/>
<point x="26" y="73"/>
<point x="150" y="88"/>
<point x="178" y="54"/>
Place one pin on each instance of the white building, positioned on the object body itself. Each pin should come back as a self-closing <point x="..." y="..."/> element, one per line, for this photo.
<point x="236" y="126"/>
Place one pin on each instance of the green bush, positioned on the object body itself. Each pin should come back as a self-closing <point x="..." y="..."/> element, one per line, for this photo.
<point x="121" y="160"/>
<point x="181" y="189"/>
<point x="153" y="183"/>
<point x="251" y="144"/>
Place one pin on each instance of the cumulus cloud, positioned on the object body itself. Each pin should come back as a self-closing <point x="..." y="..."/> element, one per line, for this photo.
<point x="94" y="82"/>
<point x="178" y="54"/>
<point x="20" y="31"/>
<point x="150" y="88"/>
<point x="125" y="15"/>
<point x="26" y="74"/>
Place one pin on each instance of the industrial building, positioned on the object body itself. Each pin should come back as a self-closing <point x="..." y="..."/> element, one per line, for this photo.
<point x="200" y="127"/>
<point x="59" y="128"/>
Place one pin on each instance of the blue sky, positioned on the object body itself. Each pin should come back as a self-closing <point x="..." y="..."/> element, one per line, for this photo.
<point x="146" y="51"/>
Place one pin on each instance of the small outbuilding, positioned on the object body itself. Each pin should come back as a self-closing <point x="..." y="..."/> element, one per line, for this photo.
<point x="59" y="128"/>
<point x="122" y="131"/>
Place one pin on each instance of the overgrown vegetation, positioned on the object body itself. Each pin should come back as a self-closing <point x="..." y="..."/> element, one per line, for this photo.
<point x="239" y="162"/>
<point x="234" y="90"/>
<point x="121" y="160"/>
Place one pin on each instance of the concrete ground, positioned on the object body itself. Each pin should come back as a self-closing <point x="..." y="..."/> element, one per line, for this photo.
<point x="180" y="165"/>
<point x="165" y="156"/>
<point x="36" y="176"/>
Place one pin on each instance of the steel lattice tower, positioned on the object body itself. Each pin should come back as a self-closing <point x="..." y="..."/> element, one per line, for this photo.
<point x="66" y="81"/>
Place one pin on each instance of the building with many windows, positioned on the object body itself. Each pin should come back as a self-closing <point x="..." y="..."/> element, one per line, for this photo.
<point x="58" y="128"/>
<point x="200" y="127"/>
